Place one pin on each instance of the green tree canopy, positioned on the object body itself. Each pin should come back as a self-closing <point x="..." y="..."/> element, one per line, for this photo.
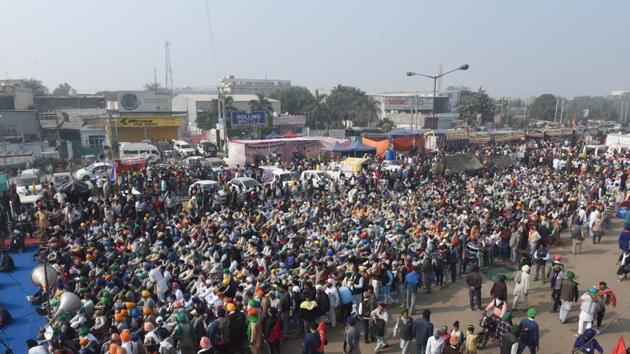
<point x="475" y="107"/>
<point x="598" y="108"/>
<point x="36" y="85"/>
<point x="64" y="89"/>
<point x="262" y="104"/>
<point x="349" y="104"/>
<point x="294" y="99"/>
<point x="543" y="107"/>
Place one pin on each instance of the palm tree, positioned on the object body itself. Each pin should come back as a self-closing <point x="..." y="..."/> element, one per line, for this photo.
<point x="262" y="104"/>
<point x="318" y="113"/>
<point x="371" y="108"/>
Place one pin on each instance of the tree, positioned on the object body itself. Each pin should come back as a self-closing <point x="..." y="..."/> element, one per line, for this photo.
<point x="262" y="104"/>
<point x="36" y="85"/>
<point x="294" y="99"/>
<point x="152" y="86"/>
<point x="318" y="113"/>
<point x="475" y="107"/>
<point x="543" y="107"/>
<point x="598" y="108"/>
<point x="518" y="122"/>
<point x="349" y="104"/>
<point x="386" y="124"/>
<point x="64" y="89"/>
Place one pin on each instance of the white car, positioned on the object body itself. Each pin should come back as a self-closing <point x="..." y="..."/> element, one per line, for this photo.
<point x="94" y="170"/>
<point x="319" y="179"/>
<point x="60" y="178"/>
<point x="208" y="185"/>
<point x="244" y="184"/>
<point x="183" y="149"/>
<point x="392" y="165"/>
<point x="216" y="163"/>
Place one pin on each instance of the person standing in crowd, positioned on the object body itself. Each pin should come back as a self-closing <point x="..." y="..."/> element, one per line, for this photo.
<point x="474" y="281"/>
<point x="412" y="280"/>
<point x="568" y="295"/>
<point x="311" y="341"/>
<point x="623" y="265"/>
<point x="509" y="342"/>
<point x="422" y="329"/>
<point x="499" y="288"/>
<point x="541" y="256"/>
<point x="366" y="307"/>
<point x="453" y="346"/>
<point x="435" y="343"/>
<point x="624" y="238"/>
<point x="555" y="279"/>
<point x="457" y="333"/>
<point x="378" y="323"/>
<point x="588" y="306"/>
<point x="530" y="335"/>
<point x="470" y="346"/>
<point x="403" y="329"/>
<point x="351" y="337"/>
<point x="605" y="297"/>
<point x="521" y="288"/>
<point x="504" y="326"/>
<point x="576" y="237"/>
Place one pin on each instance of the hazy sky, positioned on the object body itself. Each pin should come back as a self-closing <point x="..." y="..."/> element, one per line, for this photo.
<point x="514" y="48"/>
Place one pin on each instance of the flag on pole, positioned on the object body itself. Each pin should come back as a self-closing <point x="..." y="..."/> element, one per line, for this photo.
<point x="620" y="348"/>
<point x="112" y="175"/>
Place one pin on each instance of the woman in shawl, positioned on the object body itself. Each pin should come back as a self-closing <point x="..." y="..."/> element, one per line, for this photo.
<point x="254" y="331"/>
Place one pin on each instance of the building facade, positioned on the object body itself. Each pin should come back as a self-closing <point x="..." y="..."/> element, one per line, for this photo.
<point x="410" y="109"/>
<point x="231" y="85"/>
<point x="14" y="96"/>
<point x="192" y="104"/>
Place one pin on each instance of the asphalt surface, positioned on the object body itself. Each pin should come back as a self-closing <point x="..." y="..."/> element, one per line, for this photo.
<point x="596" y="263"/>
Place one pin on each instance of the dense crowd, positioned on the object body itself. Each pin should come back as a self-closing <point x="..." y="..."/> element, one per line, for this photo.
<point x="162" y="270"/>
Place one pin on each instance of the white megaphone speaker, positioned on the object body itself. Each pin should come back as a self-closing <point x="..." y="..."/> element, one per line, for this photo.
<point x="68" y="302"/>
<point x="44" y="276"/>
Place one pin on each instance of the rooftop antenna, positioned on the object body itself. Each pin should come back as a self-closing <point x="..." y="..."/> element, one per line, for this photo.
<point x="168" y="79"/>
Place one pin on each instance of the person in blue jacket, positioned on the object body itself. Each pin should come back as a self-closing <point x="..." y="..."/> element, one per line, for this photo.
<point x="586" y="343"/>
<point x="530" y="335"/>
<point x="312" y="340"/>
<point x="624" y="238"/>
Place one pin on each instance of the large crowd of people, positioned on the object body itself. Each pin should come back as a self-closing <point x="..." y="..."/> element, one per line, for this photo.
<point x="163" y="270"/>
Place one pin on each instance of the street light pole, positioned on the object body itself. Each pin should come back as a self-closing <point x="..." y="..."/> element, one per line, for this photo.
<point x="435" y="78"/>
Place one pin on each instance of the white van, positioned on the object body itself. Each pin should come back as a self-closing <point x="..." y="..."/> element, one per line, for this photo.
<point x="139" y="151"/>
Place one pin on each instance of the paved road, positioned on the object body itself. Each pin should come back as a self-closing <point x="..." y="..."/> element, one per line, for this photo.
<point x="596" y="263"/>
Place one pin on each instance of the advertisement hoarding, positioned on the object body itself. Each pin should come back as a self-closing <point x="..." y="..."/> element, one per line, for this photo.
<point x="148" y="121"/>
<point x="144" y="101"/>
<point x="247" y="119"/>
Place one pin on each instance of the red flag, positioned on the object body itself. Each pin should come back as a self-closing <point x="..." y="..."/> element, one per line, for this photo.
<point x="620" y="348"/>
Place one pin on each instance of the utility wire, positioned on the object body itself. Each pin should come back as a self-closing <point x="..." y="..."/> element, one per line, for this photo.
<point x="214" y="52"/>
<point x="577" y="350"/>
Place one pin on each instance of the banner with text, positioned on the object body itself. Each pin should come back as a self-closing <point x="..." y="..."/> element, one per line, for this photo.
<point x="246" y="119"/>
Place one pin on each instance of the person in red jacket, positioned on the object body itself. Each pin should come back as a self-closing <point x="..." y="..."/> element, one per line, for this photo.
<point x="321" y="329"/>
<point x="605" y="296"/>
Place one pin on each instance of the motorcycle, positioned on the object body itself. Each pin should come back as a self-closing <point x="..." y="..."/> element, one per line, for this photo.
<point x="488" y="325"/>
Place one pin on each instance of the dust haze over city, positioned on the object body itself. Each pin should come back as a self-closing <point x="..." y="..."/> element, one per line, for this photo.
<point x="265" y="177"/>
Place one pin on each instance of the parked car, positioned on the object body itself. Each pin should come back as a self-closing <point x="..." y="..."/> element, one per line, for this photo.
<point x="392" y="165"/>
<point x="92" y="171"/>
<point x="29" y="182"/>
<point x="216" y="163"/>
<point x="244" y="184"/>
<point x="207" y="149"/>
<point x="60" y="178"/>
<point x="193" y="162"/>
<point x="319" y="179"/>
<point x="183" y="149"/>
<point x="208" y="185"/>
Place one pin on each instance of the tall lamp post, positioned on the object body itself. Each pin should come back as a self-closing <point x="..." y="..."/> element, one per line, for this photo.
<point x="435" y="77"/>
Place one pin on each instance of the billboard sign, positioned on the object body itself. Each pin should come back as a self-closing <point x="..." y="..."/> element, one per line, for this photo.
<point x="148" y="121"/>
<point x="407" y="103"/>
<point x="144" y="101"/>
<point x="247" y="119"/>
